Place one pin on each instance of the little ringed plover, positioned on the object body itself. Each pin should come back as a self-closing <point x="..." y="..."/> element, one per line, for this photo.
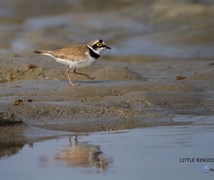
<point x="77" y="56"/>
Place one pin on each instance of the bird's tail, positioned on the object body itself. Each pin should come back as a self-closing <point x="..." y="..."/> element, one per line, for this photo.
<point x="43" y="52"/>
<point x="39" y="51"/>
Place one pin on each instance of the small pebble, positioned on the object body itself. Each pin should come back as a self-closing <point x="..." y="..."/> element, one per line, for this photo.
<point x="32" y="66"/>
<point x="180" y="77"/>
<point x="17" y="102"/>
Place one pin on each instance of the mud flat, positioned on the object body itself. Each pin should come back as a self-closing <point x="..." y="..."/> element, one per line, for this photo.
<point x="127" y="93"/>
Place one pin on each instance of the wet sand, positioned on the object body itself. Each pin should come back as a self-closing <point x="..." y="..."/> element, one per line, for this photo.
<point x="127" y="93"/>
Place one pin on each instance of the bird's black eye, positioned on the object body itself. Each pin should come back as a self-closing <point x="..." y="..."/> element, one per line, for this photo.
<point x="99" y="44"/>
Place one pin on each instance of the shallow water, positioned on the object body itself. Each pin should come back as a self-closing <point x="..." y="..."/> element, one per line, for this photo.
<point x="150" y="153"/>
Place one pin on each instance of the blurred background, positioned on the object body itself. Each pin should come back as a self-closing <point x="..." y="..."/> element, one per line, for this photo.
<point x="175" y="28"/>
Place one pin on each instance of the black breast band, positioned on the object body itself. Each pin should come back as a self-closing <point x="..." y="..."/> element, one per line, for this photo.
<point x="93" y="54"/>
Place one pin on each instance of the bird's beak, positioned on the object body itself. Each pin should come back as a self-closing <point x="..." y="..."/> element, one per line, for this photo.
<point x="107" y="47"/>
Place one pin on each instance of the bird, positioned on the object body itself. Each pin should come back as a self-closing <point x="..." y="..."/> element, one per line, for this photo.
<point x="80" y="154"/>
<point x="77" y="56"/>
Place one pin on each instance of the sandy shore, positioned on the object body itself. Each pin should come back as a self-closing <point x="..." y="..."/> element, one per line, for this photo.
<point x="127" y="93"/>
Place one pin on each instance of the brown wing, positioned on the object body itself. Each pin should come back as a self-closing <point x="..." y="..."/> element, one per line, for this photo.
<point x="76" y="52"/>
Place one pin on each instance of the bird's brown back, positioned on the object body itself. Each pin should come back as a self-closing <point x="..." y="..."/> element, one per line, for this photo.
<point x="74" y="52"/>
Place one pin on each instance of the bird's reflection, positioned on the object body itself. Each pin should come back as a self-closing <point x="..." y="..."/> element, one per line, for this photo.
<point x="79" y="154"/>
<point x="9" y="149"/>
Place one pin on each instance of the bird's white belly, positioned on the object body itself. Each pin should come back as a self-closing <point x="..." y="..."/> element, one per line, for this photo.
<point x="77" y="64"/>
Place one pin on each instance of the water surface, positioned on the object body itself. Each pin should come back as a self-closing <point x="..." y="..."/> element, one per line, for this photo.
<point x="150" y="153"/>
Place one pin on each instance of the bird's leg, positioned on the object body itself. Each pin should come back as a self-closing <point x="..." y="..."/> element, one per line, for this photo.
<point x="68" y="75"/>
<point x="89" y="77"/>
